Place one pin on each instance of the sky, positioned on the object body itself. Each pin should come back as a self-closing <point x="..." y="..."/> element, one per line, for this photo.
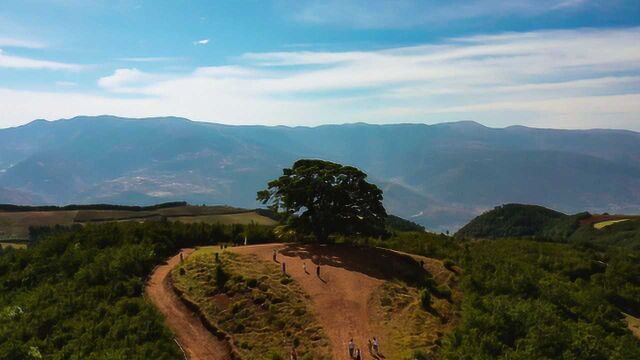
<point x="538" y="63"/>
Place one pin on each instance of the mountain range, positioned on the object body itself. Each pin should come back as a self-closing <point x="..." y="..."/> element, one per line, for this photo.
<point x="440" y="176"/>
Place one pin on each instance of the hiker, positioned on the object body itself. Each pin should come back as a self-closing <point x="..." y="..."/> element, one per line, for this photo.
<point x="351" y="347"/>
<point x="358" y="356"/>
<point x="245" y="241"/>
<point x="318" y="270"/>
<point x="284" y="268"/>
<point x="304" y="267"/>
<point x="273" y="253"/>
<point x="376" y="346"/>
<point x="181" y="258"/>
<point x="294" y="354"/>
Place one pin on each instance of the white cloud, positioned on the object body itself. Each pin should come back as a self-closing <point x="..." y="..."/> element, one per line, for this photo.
<point x="122" y="79"/>
<point x="201" y="42"/>
<point x="20" y="43"/>
<point x="19" y="62"/>
<point x="568" y="78"/>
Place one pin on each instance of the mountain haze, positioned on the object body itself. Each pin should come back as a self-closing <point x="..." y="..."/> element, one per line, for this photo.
<point x="440" y="175"/>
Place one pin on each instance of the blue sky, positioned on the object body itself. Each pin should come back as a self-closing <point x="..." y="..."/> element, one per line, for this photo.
<point x="544" y="63"/>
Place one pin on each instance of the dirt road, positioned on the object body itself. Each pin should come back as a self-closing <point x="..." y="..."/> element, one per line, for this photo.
<point x="197" y="342"/>
<point x="339" y="296"/>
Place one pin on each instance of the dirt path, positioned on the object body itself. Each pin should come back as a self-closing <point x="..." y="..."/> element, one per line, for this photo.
<point x="340" y="296"/>
<point x="195" y="339"/>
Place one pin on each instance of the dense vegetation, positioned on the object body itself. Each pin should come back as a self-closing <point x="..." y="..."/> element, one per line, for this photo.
<point x="539" y="223"/>
<point x="323" y="198"/>
<point x="396" y="223"/>
<point x="525" y="299"/>
<point x="78" y="293"/>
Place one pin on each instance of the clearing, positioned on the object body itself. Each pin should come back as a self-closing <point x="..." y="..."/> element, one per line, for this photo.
<point x="348" y="295"/>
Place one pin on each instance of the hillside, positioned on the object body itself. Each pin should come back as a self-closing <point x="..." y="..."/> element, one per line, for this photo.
<point x="23" y="222"/>
<point x="439" y="176"/>
<point x="537" y="222"/>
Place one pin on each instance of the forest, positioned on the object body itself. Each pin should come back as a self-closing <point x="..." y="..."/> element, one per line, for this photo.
<point x="78" y="292"/>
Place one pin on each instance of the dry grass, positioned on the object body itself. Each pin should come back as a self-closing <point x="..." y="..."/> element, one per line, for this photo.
<point x="262" y="310"/>
<point x="604" y="224"/>
<point x="633" y="323"/>
<point x="6" y="245"/>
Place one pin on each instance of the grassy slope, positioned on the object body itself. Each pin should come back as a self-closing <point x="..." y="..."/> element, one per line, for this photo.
<point x="260" y="308"/>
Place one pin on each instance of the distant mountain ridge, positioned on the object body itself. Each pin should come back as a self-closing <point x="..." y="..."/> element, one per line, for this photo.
<point x="440" y="175"/>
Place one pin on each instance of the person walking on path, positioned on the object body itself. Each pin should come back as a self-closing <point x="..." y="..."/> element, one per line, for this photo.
<point x="304" y="267"/>
<point x="294" y="354"/>
<point x="358" y="356"/>
<point x="351" y="348"/>
<point x="376" y="346"/>
<point x="284" y="268"/>
<point x="273" y="253"/>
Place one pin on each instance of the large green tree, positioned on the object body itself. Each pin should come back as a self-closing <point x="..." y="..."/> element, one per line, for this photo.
<point x="323" y="198"/>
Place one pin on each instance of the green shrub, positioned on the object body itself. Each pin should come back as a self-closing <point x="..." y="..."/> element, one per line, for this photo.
<point x="444" y="291"/>
<point x="276" y="356"/>
<point x="448" y="264"/>
<point x="425" y="299"/>
<point x="221" y="277"/>
<point x="419" y="355"/>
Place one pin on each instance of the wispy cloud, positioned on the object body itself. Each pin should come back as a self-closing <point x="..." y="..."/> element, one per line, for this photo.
<point x="561" y="78"/>
<point x="201" y="42"/>
<point x="408" y="13"/>
<point x="122" y="79"/>
<point x="19" y="62"/>
<point x="9" y="42"/>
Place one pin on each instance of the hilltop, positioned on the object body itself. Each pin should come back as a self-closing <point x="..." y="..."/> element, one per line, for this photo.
<point x="440" y="176"/>
<point x="540" y="223"/>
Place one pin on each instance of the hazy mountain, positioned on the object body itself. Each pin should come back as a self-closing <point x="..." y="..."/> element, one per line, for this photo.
<point x="440" y="175"/>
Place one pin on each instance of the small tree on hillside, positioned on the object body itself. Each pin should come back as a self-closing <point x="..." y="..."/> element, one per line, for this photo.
<point x="323" y="198"/>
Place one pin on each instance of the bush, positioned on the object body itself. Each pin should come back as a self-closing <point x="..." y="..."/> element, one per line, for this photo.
<point x="276" y="356"/>
<point x="448" y="264"/>
<point x="425" y="299"/>
<point x="221" y="277"/>
<point x="444" y="291"/>
<point x="419" y="355"/>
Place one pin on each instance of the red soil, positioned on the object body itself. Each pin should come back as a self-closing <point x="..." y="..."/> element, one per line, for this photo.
<point x="196" y="341"/>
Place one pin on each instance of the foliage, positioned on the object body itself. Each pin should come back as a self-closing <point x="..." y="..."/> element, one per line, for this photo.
<point x="532" y="300"/>
<point x="510" y="220"/>
<point x="77" y="293"/>
<point x="538" y="300"/>
<point x="323" y="198"/>
<point x="425" y="299"/>
<point x="396" y="223"/>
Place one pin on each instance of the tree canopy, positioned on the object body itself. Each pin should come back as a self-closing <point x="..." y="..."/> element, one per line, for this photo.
<point x="323" y="198"/>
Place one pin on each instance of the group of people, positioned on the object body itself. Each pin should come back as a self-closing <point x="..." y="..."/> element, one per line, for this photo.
<point x="274" y="255"/>
<point x="354" y="351"/>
